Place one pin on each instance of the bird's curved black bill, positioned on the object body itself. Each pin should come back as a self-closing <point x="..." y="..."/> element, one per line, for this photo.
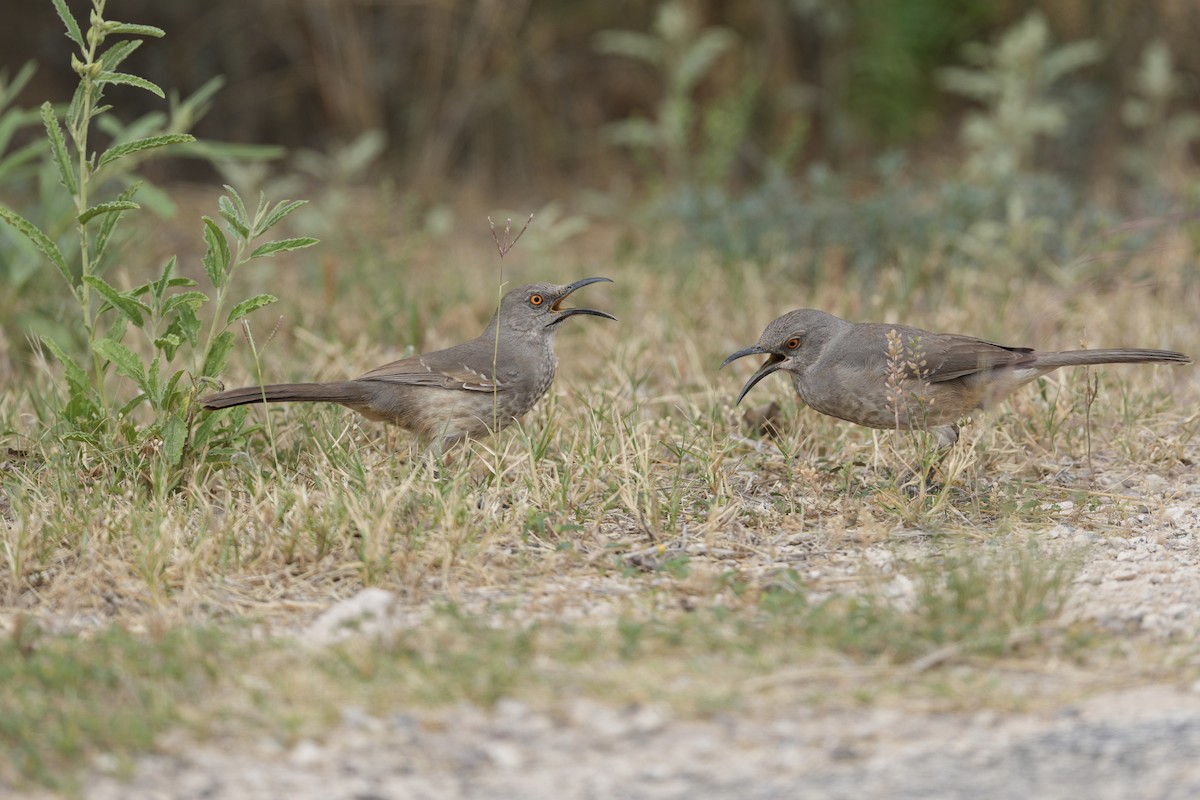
<point x="752" y="350"/>
<point x="769" y="366"/>
<point x="564" y="313"/>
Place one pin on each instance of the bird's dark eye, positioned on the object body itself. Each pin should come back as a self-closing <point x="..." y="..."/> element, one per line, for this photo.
<point x="536" y="300"/>
<point x="792" y="344"/>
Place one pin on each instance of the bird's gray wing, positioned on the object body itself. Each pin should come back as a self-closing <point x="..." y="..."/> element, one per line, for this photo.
<point x="438" y="370"/>
<point x="933" y="357"/>
<point x="951" y="356"/>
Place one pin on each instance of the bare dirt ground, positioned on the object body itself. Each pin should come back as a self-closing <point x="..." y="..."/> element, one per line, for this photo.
<point x="1140" y="743"/>
<point x="1140" y="578"/>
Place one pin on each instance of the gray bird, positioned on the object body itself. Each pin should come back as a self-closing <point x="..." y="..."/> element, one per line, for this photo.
<point x="842" y="369"/>
<point x="468" y="390"/>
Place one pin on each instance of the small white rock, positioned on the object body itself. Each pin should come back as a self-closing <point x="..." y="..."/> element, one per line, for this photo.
<point x="306" y="753"/>
<point x="365" y="613"/>
<point x="505" y="755"/>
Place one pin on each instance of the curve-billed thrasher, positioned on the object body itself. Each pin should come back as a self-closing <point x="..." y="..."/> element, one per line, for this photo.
<point x="471" y="389"/>
<point x="896" y="376"/>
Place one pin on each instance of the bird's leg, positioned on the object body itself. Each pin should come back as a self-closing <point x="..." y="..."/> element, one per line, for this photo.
<point x="947" y="436"/>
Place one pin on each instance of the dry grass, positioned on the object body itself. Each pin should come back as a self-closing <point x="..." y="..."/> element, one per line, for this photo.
<point x="631" y="538"/>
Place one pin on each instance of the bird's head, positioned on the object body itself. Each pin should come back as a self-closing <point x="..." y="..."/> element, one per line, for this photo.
<point x="537" y="307"/>
<point x="791" y="342"/>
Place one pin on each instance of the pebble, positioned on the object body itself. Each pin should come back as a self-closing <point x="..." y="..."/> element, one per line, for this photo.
<point x="1154" y="483"/>
<point x="505" y="755"/>
<point x="306" y="753"/>
<point x="1177" y="513"/>
<point x="366" y="613"/>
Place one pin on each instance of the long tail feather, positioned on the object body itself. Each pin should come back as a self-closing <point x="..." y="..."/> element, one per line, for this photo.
<point x="1071" y="358"/>
<point x="337" y="392"/>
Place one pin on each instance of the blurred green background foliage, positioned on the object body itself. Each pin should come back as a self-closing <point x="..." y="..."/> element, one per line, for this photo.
<point x="519" y="94"/>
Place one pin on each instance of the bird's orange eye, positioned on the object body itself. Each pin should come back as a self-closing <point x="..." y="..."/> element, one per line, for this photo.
<point x="792" y="344"/>
<point x="536" y="300"/>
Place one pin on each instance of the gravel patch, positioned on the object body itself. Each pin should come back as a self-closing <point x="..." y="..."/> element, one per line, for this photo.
<point x="1142" y="743"/>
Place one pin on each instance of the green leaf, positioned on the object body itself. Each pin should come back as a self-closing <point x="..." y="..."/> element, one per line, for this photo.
<point x="155" y="199"/>
<point x="192" y="299"/>
<point x="234" y="214"/>
<point x="72" y="26"/>
<point x="283" y="245"/>
<point x="171" y="393"/>
<point x="218" y="354"/>
<point x="701" y="54"/>
<point x="230" y="151"/>
<point x="216" y="257"/>
<point x="634" y="132"/>
<point x="235" y="200"/>
<point x="632" y="44"/>
<point x="281" y="210"/>
<point x="13" y="119"/>
<point x="258" y="214"/>
<point x="25" y="73"/>
<point x="40" y="240"/>
<point x="130" y="307"/>
<point x="186" y="323"/>
<point x="164" y="280"/>
<point x="152" y="385"/>
<point x="130" y="29"/>
<point x="18" y="158"/>
<point x="174" y="436"/>
<point x="123" y="359"/>
<point x="148" y="124"/>
<point x="21" y="79"/>
<point x="174" y="282"/>
<point x="196" y="104"/>
<point x="129" y="80"/>
<point x="75" y="109"/>
<point x="247" y="306"/>
<point x="110" y="220"/>
<point x="107" y="208"/>
<point x="138" y="145"/>
<point x="168" y="343"/>
<point x="116" y="331"/>
<point x="125" y="410"/>
<point x="59" y="147"/>
<point x="203" y="432"/>
<point x="236" y="224"/>
<point x="113" y="56"/>
<point x="77" y="379"/>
